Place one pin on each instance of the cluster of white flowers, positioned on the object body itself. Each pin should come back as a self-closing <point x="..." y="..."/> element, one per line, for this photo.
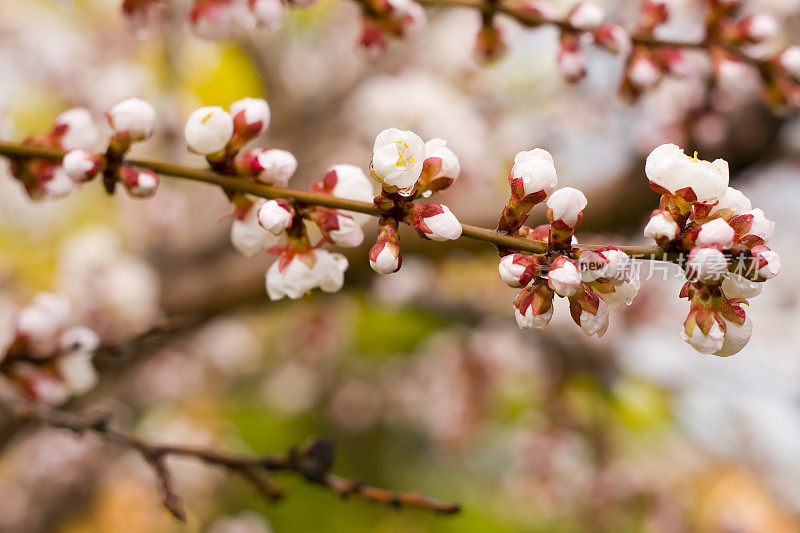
<point x="221" y="19"/>
<point x="278" y="225"/>
<point x="42" y="354"/>
<point x="74" y="131"/>
<point x="725" y="239"/>
<point x="399" y="18"/>
<point x="594" y="281"/>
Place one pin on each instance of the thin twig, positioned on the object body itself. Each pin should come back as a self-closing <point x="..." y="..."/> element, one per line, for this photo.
<point x="238" y="184"/>
<point x="313" y="461"/>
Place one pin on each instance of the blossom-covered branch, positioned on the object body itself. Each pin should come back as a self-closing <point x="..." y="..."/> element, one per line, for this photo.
<point x="313" y="461"/>
<point x="18" y="150"/>
<point x="708" y="228"/>
<point x="731" y="32"/>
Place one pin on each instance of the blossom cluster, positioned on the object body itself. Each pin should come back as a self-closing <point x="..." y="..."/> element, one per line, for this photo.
<point x="731" y="32"/>
<point x="293" y="231"/>
<point x="595" y="282"/>
<point x="215" y="19"/>
<point x="725" y="239"/>
<point x="44" y="355"/>
<point x="75" y="132"/>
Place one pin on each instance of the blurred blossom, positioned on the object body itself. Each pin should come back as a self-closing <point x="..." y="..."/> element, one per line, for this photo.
<point x="246" y="522"/>
<point x="355" y="405"/>
<point x="115" y="293"/>
<point x="291" y="389"/>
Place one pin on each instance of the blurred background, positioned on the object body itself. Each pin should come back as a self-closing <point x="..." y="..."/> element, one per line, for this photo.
<point x="421" y="378"/>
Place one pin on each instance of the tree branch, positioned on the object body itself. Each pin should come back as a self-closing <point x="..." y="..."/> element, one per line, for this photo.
<point x="312" y="461"/>
<point x="235" y="183"/>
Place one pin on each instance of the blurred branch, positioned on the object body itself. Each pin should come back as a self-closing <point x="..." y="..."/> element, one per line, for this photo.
<point x="235" y="183"/>
<point x="312" y="461"/>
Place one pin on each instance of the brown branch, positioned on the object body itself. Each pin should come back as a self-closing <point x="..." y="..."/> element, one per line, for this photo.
<point x="313" y="461"/>
<point x="235" y="183"/>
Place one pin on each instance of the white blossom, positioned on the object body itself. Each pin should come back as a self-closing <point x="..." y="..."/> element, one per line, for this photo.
<point x="595" y="324"/>
<point x="717" y="233"/>
<point x="624" y="293"/>
<point x="297" y="278"/>
<point x="451" y="168"/>
<point x="736" y="337"/>
<point x="669" y="168"/>
<point x="349" y="234"/>
<point x="278" y="166"/>
<point x="442" y="225"/>
<point x="133" y="118"/>
<point x="662" y="226"/>
<point x="274" y="217"/>
<point x="566" y="205"/>
<point x="254" y="112"/>
<point x="397" y="159"/>
<point x="710" y="343"/>
<point x="40" y="323"/>
<point x="80" y="165"/>
<point x="79" y="129"/>
<point x="773" y="264"/>
<point x="247" y="235"/>
<point x="760" y="225"/>
<point x="386" y="260"/>
<point x="736" y="286"/>
<point x="733" y="200"/>
<point x="564" y="277"/>
<point x="528" y="320"/>
<point x="586" y="16"/>
<point x="706" y="264"/>
<point x="208" y="130"/>
<point x="536" y="170"/>
<point x="60" y="184"/>
<point x="512" y="269"/>
<point x="77" y="371"/>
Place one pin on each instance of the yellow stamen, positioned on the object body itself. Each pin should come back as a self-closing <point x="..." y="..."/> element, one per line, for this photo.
<point x="205" y="119"/>
<point x="695" y="156"/>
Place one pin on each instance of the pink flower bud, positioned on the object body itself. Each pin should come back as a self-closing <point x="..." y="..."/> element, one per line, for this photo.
<point x="132" y="119"/>
<point x="436" y="222"/>
<point x="752" y="227"/>
<point x="571" y="61"/>
<point x="348" y="181"/>
<point x="769" y="262"/>
<point x="623" y="293"/>
<point x="385" y="256"/>
<point x="613" y="38"/>
<point x="759" y="27"/>
<point x="606" y="263"/>
<point x="81" y="165"/>
<point x="564" y="276"/>
<point x="590" y="312"/>
<point x="533" y="174"/>
<point x="277" y="167"/>
<point x="250" y="117"/>
<point x="409" y="17"/>
<point x="517" y="270"/>
<point x="706" y="264"/>
<point x="208" y="130"/>
<point x="138" y="182"/>
<point x="348" y="232"/>
<point x="275" y="216"/>
<point x="441" y="166"/>
<point x="565" y="206"/>
<point x="214" y="19"/>
<point x="533" y="307"/>
<point x="586" y="16"/>
<point x="643" y="72"/>
<point x="715" y="233"/>
<point x="75" y="129"/>
<point x="662" y="226"/>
